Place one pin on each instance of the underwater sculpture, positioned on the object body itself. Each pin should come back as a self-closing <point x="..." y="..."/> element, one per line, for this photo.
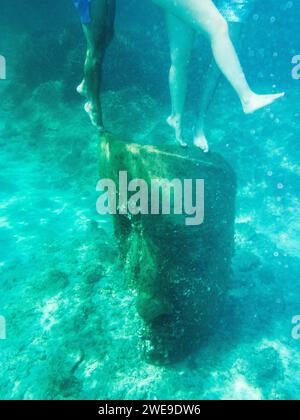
<point x="180" y="274"/>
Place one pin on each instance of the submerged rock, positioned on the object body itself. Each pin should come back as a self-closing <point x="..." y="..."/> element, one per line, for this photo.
<point x="180" y="273"/>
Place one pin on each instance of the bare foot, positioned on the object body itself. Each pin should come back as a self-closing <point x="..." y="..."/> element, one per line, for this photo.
<point x="256" y="102"/>
<point x="174" y="122"/>
<point x="200" y="141"/>
<point x="82" y="90"/>
<point x="94" y="116"/>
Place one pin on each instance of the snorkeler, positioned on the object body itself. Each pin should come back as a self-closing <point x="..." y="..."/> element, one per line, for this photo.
<point x="184" y="18"/>
<point x="97" y="18"/>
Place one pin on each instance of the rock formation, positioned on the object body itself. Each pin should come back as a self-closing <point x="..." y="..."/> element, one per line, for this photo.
<point x="180" y="274"/>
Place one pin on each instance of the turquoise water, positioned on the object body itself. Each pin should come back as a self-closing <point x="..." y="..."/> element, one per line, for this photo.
<point x="71" y="324"/>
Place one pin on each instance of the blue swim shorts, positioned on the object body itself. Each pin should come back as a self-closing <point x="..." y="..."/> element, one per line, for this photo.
<point x="83" y="8"/>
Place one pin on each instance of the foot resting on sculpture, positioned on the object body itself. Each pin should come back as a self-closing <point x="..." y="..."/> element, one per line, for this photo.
<point x="174" y="122"/>
<point x="200" y="140"/>
<point x="94" y="115"/>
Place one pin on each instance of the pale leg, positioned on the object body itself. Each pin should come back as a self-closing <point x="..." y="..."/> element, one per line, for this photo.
<point x="181" y="42"/>
<point x="209" y="87"/>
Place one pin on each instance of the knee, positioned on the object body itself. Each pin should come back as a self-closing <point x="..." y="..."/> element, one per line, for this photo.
<point x="221" y="28"/>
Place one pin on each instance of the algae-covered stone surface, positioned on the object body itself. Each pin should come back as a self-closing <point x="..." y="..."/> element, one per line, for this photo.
<point x="179" y="272"/>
